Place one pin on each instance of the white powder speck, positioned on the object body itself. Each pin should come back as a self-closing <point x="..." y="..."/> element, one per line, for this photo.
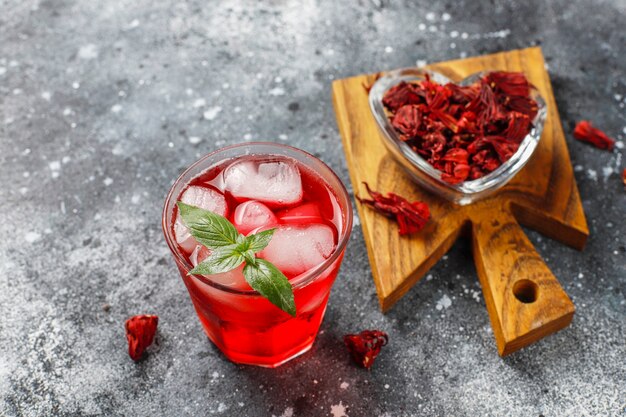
<point x="624" y="130"/>
<point x="26" y="174"/>
<point x="222" y="407"/>
<point x="421" y="26"/>
<point x="72" y="125"/>
<point x="421" y="63"/>
<point x="356" y="220"/>
<point x="606" y="172"/>
<point x="67" y="111"/>
<point x="619" y="144"/>
<point x="215" y="375"/>
<point x="247" y="137"/>
<point x="17" y="91"/>
<point x="578" y="168"/>
<point x="454" y="34"/>
<point x="107" y="181"/>
<point x="592" y="175"/>
<point x="32" y="237"/>
<point x="135" y="199"/>
<point x="89" y="51"/>
<point x="116" y="108"/>
<point x="189" y="91"/>
<point x="429" y="277"/>
<point x="445" y="17"/>
<point x="338" y="410"/>
<point x="65" y="159"/>
<point x="55" y="165"/>
<point x="282" y="136"/>
<point x="46" y="95"/>
<point x="277" y="91"/>
<point x="194" y="140"/>
<point x="3" y="70"/>
<point x="212" y="112"/>
<point x="23" y="190"/>
<point x="170" y="144"/>
<point x="618" y="97"/>
<point x="464" y="35"/>
<point x="452" y="45"/>
<point x="386" y="386"/>
<point x="13" y="63"/>
<point x="388" y="49"/>
<point x="432" y="28"/>
<point x="75" y="85"/>
<point x="444" y="302"/>
<point x="287" y="413"/>
<point x="121" y="93"/>
<point x="430" y="16"/>
<point x="237" y="109"/>
<point x="199" y="102"/>
<point x="133" y="24"/>
<point x="278" y="80"/>
<point x="581" y="275"/>
<point x="344" y="385"/>
<point x="225" y="86"/>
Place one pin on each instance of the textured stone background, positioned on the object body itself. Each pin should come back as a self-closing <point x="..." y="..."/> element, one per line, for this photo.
<point x="103" y="103"/>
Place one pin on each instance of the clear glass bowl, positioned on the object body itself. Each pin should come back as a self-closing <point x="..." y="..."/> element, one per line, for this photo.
<point x="423" y="172"/>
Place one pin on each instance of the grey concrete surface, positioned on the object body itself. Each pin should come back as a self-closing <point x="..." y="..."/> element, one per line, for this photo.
<point x="104" y="103"/>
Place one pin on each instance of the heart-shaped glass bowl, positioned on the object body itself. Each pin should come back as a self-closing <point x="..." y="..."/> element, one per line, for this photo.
<point x="423" y="172"/>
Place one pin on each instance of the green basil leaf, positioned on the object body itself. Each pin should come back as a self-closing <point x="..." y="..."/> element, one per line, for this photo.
<point x="259" y="241"/>
<point x="271" y="284"/>
<point x="208" y="228"/>
<point x="222" y="259"/>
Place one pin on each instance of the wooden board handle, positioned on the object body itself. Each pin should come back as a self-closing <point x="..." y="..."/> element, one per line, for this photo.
<point x="524" y="299"/>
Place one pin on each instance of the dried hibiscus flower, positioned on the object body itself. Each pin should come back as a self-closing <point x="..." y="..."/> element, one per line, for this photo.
<point x="411" y="217"/>
<point x="140" y="331"/>
<point x="365" y="346"/>
<point x="464" y="131"/>
<point x="585" y="132"/>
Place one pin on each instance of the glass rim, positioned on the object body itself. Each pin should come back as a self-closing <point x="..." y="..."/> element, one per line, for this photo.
<point x="302" y="279"/>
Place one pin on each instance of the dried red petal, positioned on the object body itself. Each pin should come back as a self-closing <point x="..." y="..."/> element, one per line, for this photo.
<point x="140" y="331"/>
<point x="400" y="95"/>
<point x="519" y="126"/>
<point x="365" y="346"/>
<point x="509" y="83"/>
<point x="457" y="155"/>
<point x="411" y="217"/>
<point x="624" y="176"/>
<point x="585" y="132"/>
<point x="407" y="121"/>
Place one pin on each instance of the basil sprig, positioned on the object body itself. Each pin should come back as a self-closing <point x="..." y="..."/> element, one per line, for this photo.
<point x="229" y="249"/>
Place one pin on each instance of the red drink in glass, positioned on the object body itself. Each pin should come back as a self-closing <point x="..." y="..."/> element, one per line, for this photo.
<point x="259" y="186"/>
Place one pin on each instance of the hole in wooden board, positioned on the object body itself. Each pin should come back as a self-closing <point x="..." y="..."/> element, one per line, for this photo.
<point x="525" y="291"/>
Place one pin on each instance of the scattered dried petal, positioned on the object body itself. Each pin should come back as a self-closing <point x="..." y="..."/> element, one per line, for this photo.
<point x="140" y="331"/>
<point x="411" y="217"/>
<point x="365" y="346"/>
<point x="585" y="132"/>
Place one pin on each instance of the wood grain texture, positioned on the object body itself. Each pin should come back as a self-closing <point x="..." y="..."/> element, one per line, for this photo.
<point x="543" y="196"/>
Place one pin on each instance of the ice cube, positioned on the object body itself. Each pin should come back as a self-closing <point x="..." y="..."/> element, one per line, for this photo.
<point x="305" y="213"/>
<point x="276" y="183"/>
<point x="233" y="279"/>
<point x="252" y="215"/>
<point x="296" y="248"/>
<point x="205" y="198"/>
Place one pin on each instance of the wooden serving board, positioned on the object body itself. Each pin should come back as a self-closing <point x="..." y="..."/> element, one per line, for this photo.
<point x="524" y="300"/>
